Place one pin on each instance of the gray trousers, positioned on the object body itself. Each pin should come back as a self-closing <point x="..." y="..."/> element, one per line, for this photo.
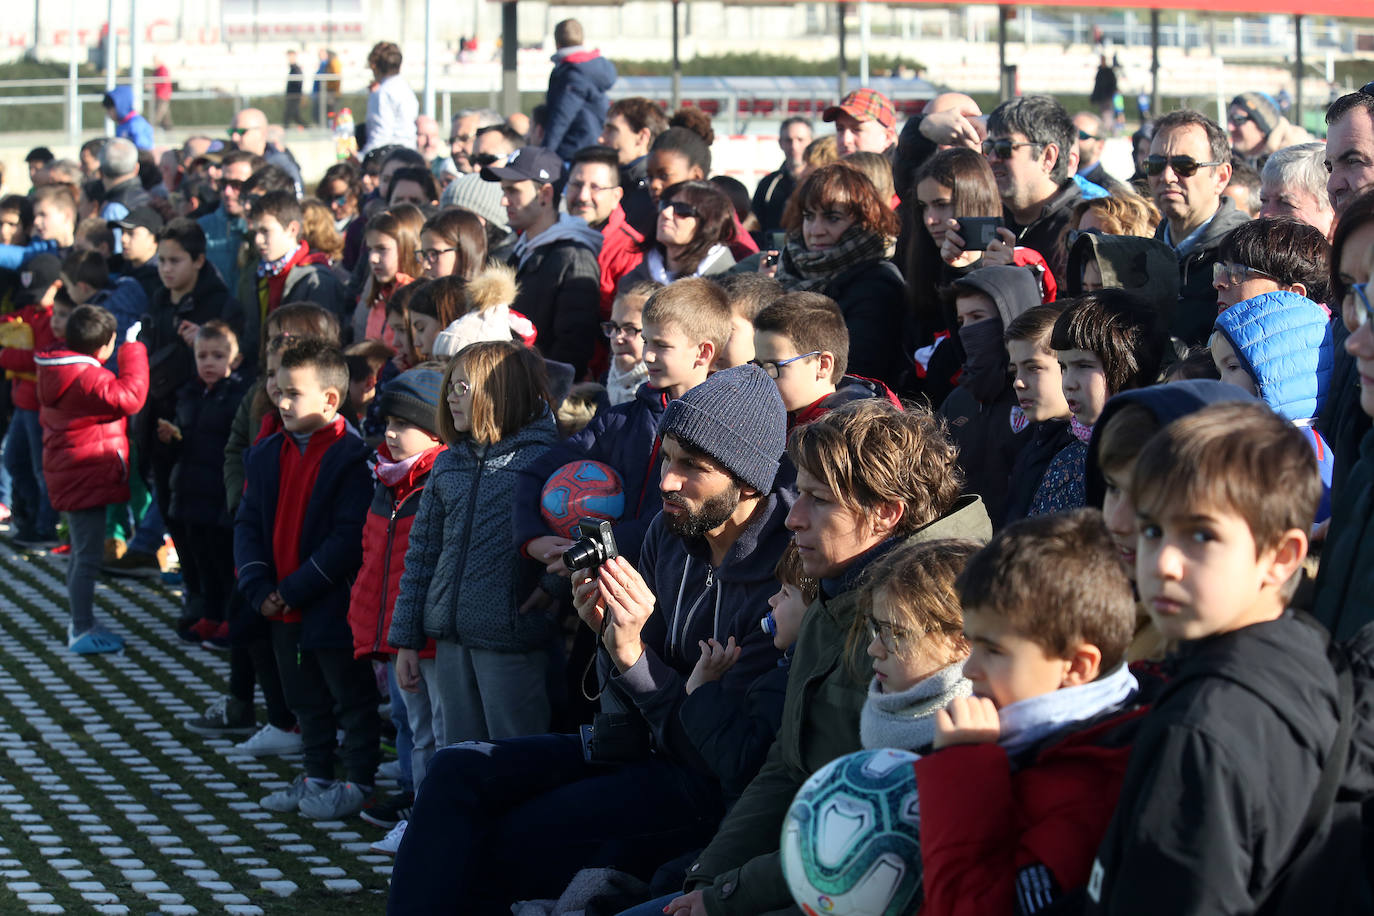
<point x="86" y="527"/>
<point x="486" y="694"/>
<point x="424" y="712"/>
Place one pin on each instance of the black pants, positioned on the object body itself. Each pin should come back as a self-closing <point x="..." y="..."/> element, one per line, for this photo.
<point x="316" y="682"/>
<point x="207" y="569"/>
<point x="292" y="113"/>
<point x="256" y="663"/>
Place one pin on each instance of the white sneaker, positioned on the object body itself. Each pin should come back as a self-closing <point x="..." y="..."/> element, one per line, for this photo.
<point x="290" y="798"/>
<point x="390" y="770"/>
<point x="388" y="844"/>
<point x="269" y="741"/>
<point x="335" y="802"/>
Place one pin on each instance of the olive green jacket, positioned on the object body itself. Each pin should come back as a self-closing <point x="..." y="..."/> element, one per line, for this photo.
<point x="740" y="871"/>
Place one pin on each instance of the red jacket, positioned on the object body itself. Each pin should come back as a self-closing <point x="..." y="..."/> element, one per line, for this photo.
<point x="982" y="823"/>
<point x="386" y="534"/>
<point x="620" y="254"/>
<point x="84" y="412"/>
<point x="23" y="392"/>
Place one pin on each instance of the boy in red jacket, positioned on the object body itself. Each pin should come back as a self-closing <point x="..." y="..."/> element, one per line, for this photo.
<point x="84" y="408"/>
<point x="1026" y="772"/>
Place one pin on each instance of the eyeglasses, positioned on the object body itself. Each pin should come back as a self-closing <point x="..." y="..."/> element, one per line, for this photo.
<point x="774" y="368"/>
<point x="681" y="209"/>
<point x="339" y="201"/>
<point x="1003" y="149"/>
<point x="611" y="329"/>
<point x="576" y="187"/>
<point x="1084" y="135"/>
<point x="891" y="635"/>
<point x="1236" y="274"/>
<point x="460" y="387"/>
<point x="433" y="254"/>
<point x="1183" y="166"/>
<point x="1357" y="294"/>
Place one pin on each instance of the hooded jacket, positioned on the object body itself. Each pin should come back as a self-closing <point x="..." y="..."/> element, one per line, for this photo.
<point x="224" y="237"/>
<point x="740" y="872"/>
<point x="125" y="299"/>
<point x="990" y="434"/>
<point x="1221" y="777"/>
<point x="464" y="578"/>
<point x="696" y="601"/>
<point x="84" y="414"/>
<point x="1196" y="310"/>
<point x="129" y="124"/>
<point x="20" y="360"/>
<point x="560" y="289"/>
<point x="1283" y="341"/>
<point x="1147" y="266"/>
<point x="577" y="99"/>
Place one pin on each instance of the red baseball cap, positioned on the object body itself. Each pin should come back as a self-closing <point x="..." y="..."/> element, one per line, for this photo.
<point x="864" y="105"/>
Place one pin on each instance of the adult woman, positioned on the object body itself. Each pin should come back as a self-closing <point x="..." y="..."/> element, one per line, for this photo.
<point x="340" y="189"/>
<point x="453" y="243"/>
<point x="696" y="225"/>
<point x="840" y="234"/>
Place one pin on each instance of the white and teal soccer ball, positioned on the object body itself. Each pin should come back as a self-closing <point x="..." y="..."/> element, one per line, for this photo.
<point x="851" y="840"/>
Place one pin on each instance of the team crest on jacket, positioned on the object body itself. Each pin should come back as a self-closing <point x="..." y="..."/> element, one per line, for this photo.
<point x="1018" y="419"/>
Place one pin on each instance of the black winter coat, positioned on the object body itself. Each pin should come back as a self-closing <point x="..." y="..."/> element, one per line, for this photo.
<point x="872" y="298"/>
<point x="990" y="438"/>
<point x="1196" y="311"/>
<point x="204" y="417"/>
<point x="1046" y="441"/>
<point x="1046" y="233"/>
<point x="560" y="292"/>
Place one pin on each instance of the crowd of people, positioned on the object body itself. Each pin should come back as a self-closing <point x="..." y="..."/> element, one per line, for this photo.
<point x="945" y="440"/>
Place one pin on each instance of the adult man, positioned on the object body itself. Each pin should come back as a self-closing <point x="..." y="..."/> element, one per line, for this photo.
<point x="37" y="160"/>
<point x="770" y="197"/>
<point x="466" y="124"/>
<point x="1293" y="184"/>
<point x="1028" y="145"/>
<point x="1350" y="147"/>
<point x="1244" y="187"/>
<point x="493" y="144"/>
<point x="1258" y="129"/>
<point x="162" y="93"/>
<point x="295" y="85"/>
<point x="392" y="107"/>
<point x="1188" y="169"/>
<point x="577" y="91"/>
<point x="427" y="140"/>
<point x="248" y="131"/>
<point x="123" y="190"/>
<point x="555" y="258"/>
<point x="865" y="121"/>
<point x="1090" y="143"/>
<point x="226" y="227"/>
<point x="593" y="193"/>
<point x="477" y="832"/>
<point x="631" y="127"/>
<point x="139" y="238"/>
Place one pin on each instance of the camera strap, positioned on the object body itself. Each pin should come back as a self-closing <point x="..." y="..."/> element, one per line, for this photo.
<point x="582" y="682"/>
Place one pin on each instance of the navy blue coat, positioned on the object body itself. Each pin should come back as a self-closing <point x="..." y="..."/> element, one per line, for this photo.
<point x="331" y="546"/>
<point x="577" y="100"/>
<point x="204" y="417"/>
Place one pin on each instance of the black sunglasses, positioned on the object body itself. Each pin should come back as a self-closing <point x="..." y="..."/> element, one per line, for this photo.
<point x="680" y="209"/>
<point x="1367" y="88"/>
<point x="1183" y="166"/>
<point x="482" y="160"/>
<point x="1003" y="148"/>
<point x="1084" y="135"/>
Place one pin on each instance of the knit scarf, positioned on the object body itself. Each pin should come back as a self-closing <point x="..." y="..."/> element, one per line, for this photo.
<point x="272" y="268"/>
<point x="621" y="386"/>
<point x="1026" y="722"/>
<point x="802" y="270"/>
<point x="907" y="719"/>
<point x="1080" y="432"/>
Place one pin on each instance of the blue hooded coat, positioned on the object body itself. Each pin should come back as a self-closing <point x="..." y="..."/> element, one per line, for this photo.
<point x="577" y="100"/>
<point x="129" y="124"/>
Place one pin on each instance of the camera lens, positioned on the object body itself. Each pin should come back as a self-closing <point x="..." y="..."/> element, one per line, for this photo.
<point x="585" y="554"/>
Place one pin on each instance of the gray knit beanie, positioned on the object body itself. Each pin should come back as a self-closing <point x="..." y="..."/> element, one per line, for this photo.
<point x="737" y="417"/>
<point x="414" y="396"/>
<point x="483" y="198"/>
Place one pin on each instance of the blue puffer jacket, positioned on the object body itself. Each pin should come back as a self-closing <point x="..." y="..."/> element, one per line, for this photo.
<point x="129" y="124"/>
<point x="1283" y="341"/>
<point x="577" y="99"/>
<point x="465" y="578"/>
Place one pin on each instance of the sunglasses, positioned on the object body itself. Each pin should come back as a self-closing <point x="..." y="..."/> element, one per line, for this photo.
<point x="1003" y="149"/>
<point x="1183" y="166"/>
<point x="1084" y="135"/>
<point x="681" y="209"/>
<point x="1239" y="117"/>
<point x="1236" y="274"/>
<point x="611" y="329"/>
<point x="235" y="183"/>
<point x="482" y="160"/>
<point x="236" y="132"/>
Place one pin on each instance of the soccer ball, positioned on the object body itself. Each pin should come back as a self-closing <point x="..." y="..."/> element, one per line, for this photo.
<point x="582" y="489"/>
<point x="851" y="840"/>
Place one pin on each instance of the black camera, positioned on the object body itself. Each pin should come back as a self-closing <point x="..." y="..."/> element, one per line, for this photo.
<point x="595" y="545"/>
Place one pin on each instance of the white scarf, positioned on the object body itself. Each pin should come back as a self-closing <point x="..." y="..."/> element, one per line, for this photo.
<point x="1026" y="722"/>
<point x="622" y="386"/>
<point x="906" y="720"/>
<point x="658" y="269"/>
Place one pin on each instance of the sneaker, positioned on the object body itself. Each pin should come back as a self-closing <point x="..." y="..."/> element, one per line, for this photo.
<point x="136" y="564"/>
<point x="95" y="641"/>
<point x="334" y="803"/>
<point x="270" y="741"/>
<point x="195" y="632"/>
<point x="218" y="638"/>
<point x="389" y="812"/>
<point x="114" y="549"/>
<point x="390" y="770"/>
<point x="34" y="543"/>
<point x="290" y="797"/>
<point x="61" y="551"/>
<point x="225" y="716"/>
<point x="389" y="844"/>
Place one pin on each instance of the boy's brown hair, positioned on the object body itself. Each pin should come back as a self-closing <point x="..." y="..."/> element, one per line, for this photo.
<point x="1057" y="581"/>
<point x="1034" y="326"/>
<point x="510" y="389"/>
<point x="89" y="328"/>
<point x="1237" y="457"/>
<point x="917" y="585"/>
<point x="281" y="206"/>
<point x="321" y="355"/>
<point x="95" y="233"/>
<point x="306" y="320"/>
<point x="812" y="322"/>
<point x="214" y="329"/>
<point x="871" y="452"/>
<point x="58" y="194"/>
<point x="1124" y="436"/>
<point x="789" y="572"/>
<point x="750" y="293"/>
<point x="1121" y="329"/>
<point x="366" y="358"/>
<point x="696" y="306"/>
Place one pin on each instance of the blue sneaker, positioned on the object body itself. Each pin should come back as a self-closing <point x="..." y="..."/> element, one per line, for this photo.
<point x="95" y="641"/>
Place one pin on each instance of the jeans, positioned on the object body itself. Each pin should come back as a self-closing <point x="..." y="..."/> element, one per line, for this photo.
<point x="86" y="527"/>
<point x="33" y="516"/>
<point x="147" y="536"/>
<point x="515" y="819"/>
<point x="425" y="712"/>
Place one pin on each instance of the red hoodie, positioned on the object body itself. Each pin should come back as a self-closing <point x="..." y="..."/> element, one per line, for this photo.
<point x="20" y="361"/>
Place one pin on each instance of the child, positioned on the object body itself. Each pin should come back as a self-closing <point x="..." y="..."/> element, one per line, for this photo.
<point x="985" y="421"/>
<point x="914" y="631"/>
<point x="392" y="243"/>
<point x="749" y="294"/>
<point x="433" y="306"/>
<point x="87" y="278"/>
<point x="1108" y="341"/>
<point x="802" y="342"/>
<point x="33" y="519"/>
<point x="1277" y="346"/>
<point x="627" y="371"/>
<point x="405" y="458"/>
<point x="477" y="310"/>
<point x="1025" y="772"/>
<point x="491" y="660"/>
<point x="85" y="451"/>
<point x="398" y="324"/>
<point x="54" y="228"/>
<point x="1040" y="395"/>
<point x="367" y="360"/>
<point x="1224" y="769"/>
<point x="297" y="544"/>
<point x="685" y="325"/>
<point x="197" y="436"/>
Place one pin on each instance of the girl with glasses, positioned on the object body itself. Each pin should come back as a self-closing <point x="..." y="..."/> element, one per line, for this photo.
<point x="453" y="243"/>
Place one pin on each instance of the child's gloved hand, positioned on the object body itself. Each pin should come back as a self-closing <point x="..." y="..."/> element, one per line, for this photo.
<point x="135" y="329"/>
<point x="715" y="660"/>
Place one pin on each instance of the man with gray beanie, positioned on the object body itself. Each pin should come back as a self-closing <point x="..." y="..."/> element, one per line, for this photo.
<point x="514" y="819"/>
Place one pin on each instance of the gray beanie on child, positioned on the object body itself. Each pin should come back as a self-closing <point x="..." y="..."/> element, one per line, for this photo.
<point x="737" y="417"/>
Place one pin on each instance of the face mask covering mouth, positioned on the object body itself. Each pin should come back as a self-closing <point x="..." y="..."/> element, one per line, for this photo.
<point x="985" y="359"/>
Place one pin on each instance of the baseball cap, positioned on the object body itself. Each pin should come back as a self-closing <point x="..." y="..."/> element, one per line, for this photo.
<point x="864" y="105"/>
<point x="141" y="217"/>
<point x="528" y="163"/>
<point x="37" y="274"/>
